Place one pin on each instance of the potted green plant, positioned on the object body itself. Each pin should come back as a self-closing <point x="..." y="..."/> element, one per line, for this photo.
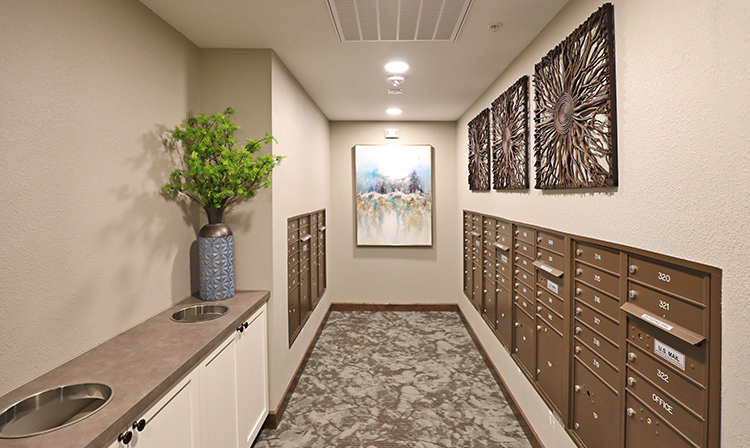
<point x="217" y="172"/>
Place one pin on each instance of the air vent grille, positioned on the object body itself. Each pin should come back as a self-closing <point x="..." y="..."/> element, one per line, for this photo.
<point x="398" y="20"/>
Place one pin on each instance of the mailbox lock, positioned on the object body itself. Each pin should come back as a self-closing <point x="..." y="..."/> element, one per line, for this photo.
<point x="578" y="330"/>
<point x="517" y="324"/>
<point x="539" y="309"/>
<point x="538" y="371"/>
<point x="539" y="255"/>
<point x="516" y="285"/>
<point x="578" y="291"/>
<point x="517" y="245"/>
<point x="516" y="298"/>
<point x="539" y="239"/>
<point x="517" y="232"/>
<point x="633" y="269"/>
<point x="579" y="271"/>
<point x="517" y="257"/>
<point x="538" y="328"/>
<point x="517" y="271"/>
<point x="631" y="356"/>
<point x="579" y="252"/>
<point x="578" y="349"/>
<point x="538" y="293"/>
<point x="631" y="381"/>
<point x="631" y="412"/>
<point x="577" y="388"/>
<point x="577" y="425"/>
<point x="632" y="294"/>
<point x="578" y="310"/>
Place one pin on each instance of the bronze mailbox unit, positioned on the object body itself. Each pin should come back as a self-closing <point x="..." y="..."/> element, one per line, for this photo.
<point x="306" y="237"/>
<point x="623" y="344"/>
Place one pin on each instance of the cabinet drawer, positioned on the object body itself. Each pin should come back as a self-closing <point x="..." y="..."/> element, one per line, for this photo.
<point x="550" y="318"/>
<point x="601" y="257"/>
<point x="687" y="314"/>
<point x="525" y="234"/>
<point x="525" y="248"/>
<point x="597" y="321"/>
<point x="671" y="351"/>
<point x="595" y="410"/>
<point x="555" y="303"/>
<point x="602" y="302"/>
<point x="669" y="277"/>
<point x="646" y="429"/>
<point x="550" y="241"/>
<point x="524" y="262"/>
<point x="597" y="343"/>
<point x="550" y="282"/>
<point x="667" y="379"/>
<point x="606" y="372"/>
<point x="598" y="278"/>
<point x="551" y="259"/>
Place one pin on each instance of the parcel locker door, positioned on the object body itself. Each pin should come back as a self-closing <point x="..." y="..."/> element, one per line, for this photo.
<point x="549" y="362"/>
<point x="504" y="318"/>
<point x="525" y="347"/>
<point x="596" y="419"/>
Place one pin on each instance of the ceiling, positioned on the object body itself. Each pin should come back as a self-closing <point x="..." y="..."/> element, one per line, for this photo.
<point x="347" y="79"/>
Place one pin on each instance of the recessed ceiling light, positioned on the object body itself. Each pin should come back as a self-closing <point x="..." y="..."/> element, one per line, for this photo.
<point x="396" y="67"/>
<point x="393" y="111"/>
<point x="494" y="27"/>
<point x="395" y="91"/>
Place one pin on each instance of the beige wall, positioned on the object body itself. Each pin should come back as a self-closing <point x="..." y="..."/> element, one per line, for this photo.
<point x="372" y="275"/>
<point x="682" y="91"/>
<point x="89" y="246"/>
<point x="300" y="185"/>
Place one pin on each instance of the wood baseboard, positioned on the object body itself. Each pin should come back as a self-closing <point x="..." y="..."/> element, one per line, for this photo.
<point x="517" y="412"/>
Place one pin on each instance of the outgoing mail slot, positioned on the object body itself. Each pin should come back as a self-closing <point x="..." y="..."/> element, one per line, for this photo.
<point x="675" y="279"/>
<point x="503" y="227"/>
<point x="644" y="428"/>
<point x="551" y="242"/>
<point x="666" y="407"/>
<point x="551" y="259"/>
<point x="525" y="332"/>
<point x="551" y="283"/>
<point x="597" y="278"/>
<point x="667" y="378"/>
<point x="550" y="318"/>
<point x="598" y="256"/>
<point x="549" y="363"/>
<point x="525" y="234"/>
<point x="597" y="321"/>
<point x="525" y="263"/>
<point x="552" y="301"/>
<point x="688" y="314"/>
<point x="597" y="364"/>
<point x="598" y="343"/>
<point x="596" y="418"/>
<point x="670" y="350"/>
<point x="602" y="302"/>
<point x="524" y="291"/>
<point x="525" y="248"/>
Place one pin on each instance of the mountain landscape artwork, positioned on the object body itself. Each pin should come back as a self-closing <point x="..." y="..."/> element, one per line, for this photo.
<point x="393" y="195"/>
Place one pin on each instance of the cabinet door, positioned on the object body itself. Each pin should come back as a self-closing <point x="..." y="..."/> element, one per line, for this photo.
<point x="174" y="420"/>
<point x="219" y="396"/>
<point x="252" y="378"/>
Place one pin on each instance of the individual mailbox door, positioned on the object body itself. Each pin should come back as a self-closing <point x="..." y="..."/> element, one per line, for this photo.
<point x="524" y="350"/>
<point x="601" y="257"/>
<point x="524" y="291"/>
<point x="674" y="279"/>
<point x="525" y="248"/>
<point x="643" y="428"/>
<point x="597" y="278"/>
<point x="597" y="321"/>
<point x="596" y="364"/>
<point x="603" y="302"/>
<point x="293" y="308"/>
<point x="525" y="277"/>
<point x="305" y="304"/>
<point x="549" y="364"/>
<point x="550" y="241"/>
<point x="525" y="263"/>
<point x="550" y="259"/>
<point x="476" y="297"/>
<point x="490" y="305"/>
<point x="596" y="419"/>
<point x="597" y="343"/>
<point x="549" y="317"/>
<point x="685" y="313"/>
<point x="555" y="303"/>
<point x="525" y="234"/>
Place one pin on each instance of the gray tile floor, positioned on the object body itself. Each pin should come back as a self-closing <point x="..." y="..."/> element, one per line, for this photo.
<point x="396" y="379"/>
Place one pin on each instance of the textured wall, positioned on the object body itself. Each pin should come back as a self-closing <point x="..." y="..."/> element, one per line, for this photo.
<point x="682" y="91"/>
<point x="393" y="274"/>
<point x="89" y="246"/>
<point x="300" y="185"/>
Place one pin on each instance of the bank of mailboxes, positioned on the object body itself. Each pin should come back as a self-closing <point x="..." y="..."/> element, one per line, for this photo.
<point x="623" y="344"/>
<point x="306" y="238"/>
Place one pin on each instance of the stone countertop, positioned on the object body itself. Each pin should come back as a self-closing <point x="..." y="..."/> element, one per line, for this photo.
<point x="140" y="365"/>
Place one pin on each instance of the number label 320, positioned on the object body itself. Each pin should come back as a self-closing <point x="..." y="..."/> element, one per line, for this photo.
<point x="664" y="277"/>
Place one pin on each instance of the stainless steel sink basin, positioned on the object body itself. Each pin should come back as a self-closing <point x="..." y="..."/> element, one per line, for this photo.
<point x="53" y="409"/>
<point x="199" y="313"/>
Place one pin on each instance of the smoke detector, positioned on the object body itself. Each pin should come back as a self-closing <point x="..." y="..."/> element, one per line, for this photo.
<point x="395" y="80"/>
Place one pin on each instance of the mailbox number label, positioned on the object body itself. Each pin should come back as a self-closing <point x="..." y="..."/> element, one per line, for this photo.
<point x="597" y="320"/>
<point x="662" y="375"/>
<point x="597" y="299"/>
<point x="550" y="242"/>
<point x="596" y="363"/>
<point x="664" y="277"/>
<point x="597" y="278"/>
<point x="667" y="407"/>
<point x="596" y="342"/>
<point x="597" y="256"/>
<point x="664" y="305"/>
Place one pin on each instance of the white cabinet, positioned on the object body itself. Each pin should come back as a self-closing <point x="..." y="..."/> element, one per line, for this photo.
<point x="252" y="378"/>
<point x="221" y="403"/>
<point x="172" y="422"/>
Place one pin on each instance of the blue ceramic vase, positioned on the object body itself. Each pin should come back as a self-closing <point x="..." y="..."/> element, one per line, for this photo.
<point x="216" y="257"/>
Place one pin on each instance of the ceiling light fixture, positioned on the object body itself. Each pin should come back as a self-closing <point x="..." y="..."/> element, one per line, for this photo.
<point x="395" y="91"/>
<point x="393" y="111"/>
<point x="494" y="27"/>
<point x="396" y="67"/>
<point x="395" y="80"/>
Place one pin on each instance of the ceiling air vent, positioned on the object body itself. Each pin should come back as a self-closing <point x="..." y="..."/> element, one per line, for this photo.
<point x="398" y="20"/>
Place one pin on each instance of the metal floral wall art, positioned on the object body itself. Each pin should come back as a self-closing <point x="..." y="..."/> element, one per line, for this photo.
<point x="510" y="138"/>
<point x="479" y="151"/>
<point x="575" y="133"/>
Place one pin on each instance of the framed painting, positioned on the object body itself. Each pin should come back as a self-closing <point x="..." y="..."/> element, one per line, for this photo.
<point x="393" y="195"/>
